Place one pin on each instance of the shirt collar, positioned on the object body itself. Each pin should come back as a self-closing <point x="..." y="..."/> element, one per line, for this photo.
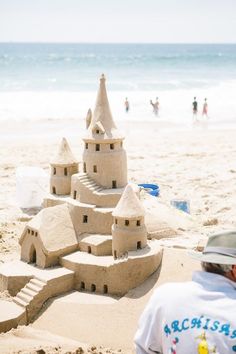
<point x="213" y="281"/>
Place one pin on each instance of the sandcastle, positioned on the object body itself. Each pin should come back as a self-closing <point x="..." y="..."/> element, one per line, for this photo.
<point x="91" y="234"/>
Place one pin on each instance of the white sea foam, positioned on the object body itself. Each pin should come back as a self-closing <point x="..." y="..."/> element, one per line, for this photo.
<point x="175" y="105"/>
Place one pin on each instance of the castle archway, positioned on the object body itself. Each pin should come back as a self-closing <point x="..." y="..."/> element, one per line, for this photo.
<point x="32" y="254"/>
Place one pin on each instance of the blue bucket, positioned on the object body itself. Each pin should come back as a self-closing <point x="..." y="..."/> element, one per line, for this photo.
<point x="181" y="204"/>
<point x="152" y="189"/>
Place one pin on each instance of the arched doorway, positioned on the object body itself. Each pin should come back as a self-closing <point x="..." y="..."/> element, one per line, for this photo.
<point x="105" y="289"/>
<point x="32" y="255"/>
<point x="139" y="245"/>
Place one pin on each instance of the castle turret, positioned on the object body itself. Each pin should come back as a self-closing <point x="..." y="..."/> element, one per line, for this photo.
<point x="128" y="230"/>
<point x="104" y="158"/>
<point x="63" y="166"/>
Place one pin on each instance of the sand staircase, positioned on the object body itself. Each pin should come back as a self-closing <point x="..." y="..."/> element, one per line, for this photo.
<point x="31" y="295"/>
<point x="89" y="192"/>
<point x="89" y="183"/>
<point x="26" y="295"/>
<point x="39" y="289"/>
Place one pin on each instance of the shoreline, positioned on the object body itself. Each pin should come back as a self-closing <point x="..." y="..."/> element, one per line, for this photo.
<point x="175" y="105"/>
<point x="55" y="128"/>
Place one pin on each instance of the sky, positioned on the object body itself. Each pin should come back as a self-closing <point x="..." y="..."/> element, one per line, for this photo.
<point x="139" y="21"/>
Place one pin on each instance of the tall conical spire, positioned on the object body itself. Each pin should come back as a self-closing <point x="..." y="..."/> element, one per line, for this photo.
<point x="64" y="155"/>
<point x="102" y="112"/>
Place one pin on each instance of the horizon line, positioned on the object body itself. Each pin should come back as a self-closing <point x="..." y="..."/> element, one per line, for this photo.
<point x="80" y="42"/>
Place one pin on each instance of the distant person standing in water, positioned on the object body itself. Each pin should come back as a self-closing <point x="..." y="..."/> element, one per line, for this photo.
<point x="155" y="106"/>
<point x="195" y="108"/>
<point x="205" y="108"/>
<point x="127" y="107"/>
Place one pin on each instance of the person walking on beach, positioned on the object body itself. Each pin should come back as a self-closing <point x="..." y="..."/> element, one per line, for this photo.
<point x="195" y="107"/>
<point x="197" y="316"/>
<point x="205" y="108"/>
<point x="155" y="106"/>
<point x="127" y="107"/>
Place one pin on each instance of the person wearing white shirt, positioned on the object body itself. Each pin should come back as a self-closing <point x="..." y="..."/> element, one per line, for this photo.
<point x="199" y="316"/>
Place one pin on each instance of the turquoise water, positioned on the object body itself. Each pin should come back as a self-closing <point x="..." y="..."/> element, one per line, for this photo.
<point x="47" y="81"/>
<point x="129" y="66"/>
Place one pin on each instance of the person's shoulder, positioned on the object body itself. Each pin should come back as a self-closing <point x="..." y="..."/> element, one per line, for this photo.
<point x="172" y="290"/>
<point x="174" y="285"/>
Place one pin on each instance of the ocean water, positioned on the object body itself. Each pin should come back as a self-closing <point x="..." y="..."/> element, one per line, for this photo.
<point x="50" y="81"/>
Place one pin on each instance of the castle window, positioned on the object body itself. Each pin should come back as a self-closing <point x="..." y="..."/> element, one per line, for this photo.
<point x="75" y="194"/>
<point x="54" y="190"/>
<point x="54" y="170"/>
<point x="139" y="245"/>
<point x="36" y="234"/>
<point x="97" y="131"/>
<point x="28" y="231"/>
<point x="116" y="221"/>
<point x="115" y="255"/>
<point x="97" y="147"/>
<point x="85" y="219"/>
<point x="113" y="184"/>
<point x="84" y="167"/>
<point x="112" y="146"/>
<point x="32" y="232"/>
<point x="86" y="146"/>
<point x="82" y="285"/>
<point x="89" y="249"/>
<point x="95" y="169"/>
<point x="65" y="171"/>
<point x="93" y="288"/>
<point x="126" y="222"/>
<point x="105" y="289"/>
<point x="138" y="223"/>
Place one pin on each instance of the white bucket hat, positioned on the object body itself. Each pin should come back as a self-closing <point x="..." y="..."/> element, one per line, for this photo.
<point x="220" y="249"/>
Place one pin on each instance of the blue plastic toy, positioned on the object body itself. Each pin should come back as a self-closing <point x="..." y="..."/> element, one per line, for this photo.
<point x="152" y="189"/>
<point x="181" y="204"/>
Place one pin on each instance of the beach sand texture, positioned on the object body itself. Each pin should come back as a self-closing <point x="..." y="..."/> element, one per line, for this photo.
<point x="193" y="164"/>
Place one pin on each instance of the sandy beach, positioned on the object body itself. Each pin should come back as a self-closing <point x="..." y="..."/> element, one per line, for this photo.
<point x="85" y="268"/>
<point x="194" y="164"/>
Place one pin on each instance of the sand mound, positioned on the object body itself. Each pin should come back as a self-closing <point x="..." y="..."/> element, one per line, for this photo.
<point x="163" y="220"/>
<point x="31" y="340"/>
<point x="27" y="340"/>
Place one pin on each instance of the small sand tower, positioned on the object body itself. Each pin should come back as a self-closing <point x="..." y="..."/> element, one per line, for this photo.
<point x="128" y="231"/>
<point x="63" y="166"/>
<point x="104" y="159"/>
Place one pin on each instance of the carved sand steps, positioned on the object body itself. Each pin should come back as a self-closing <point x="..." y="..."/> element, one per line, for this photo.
<point x="41" y="285"/>
<point x="35" y="286"/>
<point x="86" y="190"/>
<point x="90" y="183"/>
<point x="26" y="296"/>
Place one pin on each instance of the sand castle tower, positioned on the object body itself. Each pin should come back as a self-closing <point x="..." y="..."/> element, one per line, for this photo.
<point x="128" y="231"/>
<point x="104" y="159"/>
<point x="63" y="166"/>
